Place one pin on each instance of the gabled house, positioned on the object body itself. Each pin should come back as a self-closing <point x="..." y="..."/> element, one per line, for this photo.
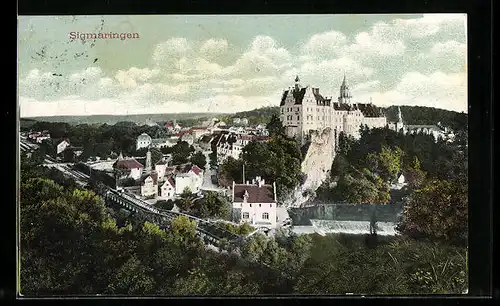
<point x="160" y="168"/>
<point x="255" y="203"/>
<point x="149" y="185"/>
<point x="167" y="190"/>
<point x="129" y="167"/>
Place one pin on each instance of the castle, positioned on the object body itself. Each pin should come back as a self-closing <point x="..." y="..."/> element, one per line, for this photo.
<point x="304" y="110"/>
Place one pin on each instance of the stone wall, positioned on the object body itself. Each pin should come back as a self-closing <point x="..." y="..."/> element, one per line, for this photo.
<point x="346" y="212"/>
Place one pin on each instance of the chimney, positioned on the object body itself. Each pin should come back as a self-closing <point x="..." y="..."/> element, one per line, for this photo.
<point x="263" y="181"/>
<point x="248" y="183"/>
<point x="253" y="182"/>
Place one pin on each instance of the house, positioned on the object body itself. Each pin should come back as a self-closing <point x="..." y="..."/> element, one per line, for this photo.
<point x="400" y="183"/>
<point x="61" y="146"/>
<point x="159" y="143"/>
<point x="244" y="121"/>
<point x="187" y="180"/>
<point x="236" y="120"/>
<point x="168" y="189"/>
<point x="129" y="166"/>
<point x="143" y="141"/>
<point x="149" y="185"/>
<point x="160" y="168"/>
<point x="199" y="132"/>
<point x="255" y="203"/>
<point x="205" y="142"/>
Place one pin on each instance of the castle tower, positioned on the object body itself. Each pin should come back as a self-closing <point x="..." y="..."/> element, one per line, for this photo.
<point x="345" y="93"/>
<point x="149" y="166"/>
<point x="297" y="83"/>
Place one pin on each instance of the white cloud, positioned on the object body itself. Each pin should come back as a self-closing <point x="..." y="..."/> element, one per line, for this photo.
<point x="213" y="48"/>
<point x="325" y="45"/>
<point x="169" y="50"/>
<point x="186" y="78"/>
<point x="449" y="48"/>
<point x="440" y="90"/>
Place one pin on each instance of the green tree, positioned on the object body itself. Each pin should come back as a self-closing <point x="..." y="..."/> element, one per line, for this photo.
<point x="165" y="204"/>
<point x="199" y="160"/>
<point x="438" y="210"/>
<point x="275" y="126"/>
<point x="212" y="205"/>
<point x="414" y="176"/>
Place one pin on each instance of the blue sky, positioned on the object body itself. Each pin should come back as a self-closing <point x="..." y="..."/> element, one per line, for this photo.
<point x="235" y="63"/>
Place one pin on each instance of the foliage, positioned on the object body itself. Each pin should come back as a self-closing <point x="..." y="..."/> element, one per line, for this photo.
<point x="213" y="158"/>
<point x="199" y="160"/>
<point x="181" y="153"/>
<point x="387" y="163"/>
<point x="439" y="211"/>
<point x="165" y="204"/>
<point x="243" y="229"/>
<point x="212" y="206"/>
<point x="275" y="127"/>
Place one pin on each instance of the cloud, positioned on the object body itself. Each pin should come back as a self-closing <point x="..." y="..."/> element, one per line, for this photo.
<point x="440" y="90"/>
<point x="418" y="61"/>
<point x="213" y="48"/>
<point x="173" y="49"/>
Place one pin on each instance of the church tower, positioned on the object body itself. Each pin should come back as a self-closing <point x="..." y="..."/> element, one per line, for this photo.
<point x="149" y="165"/>
<point x="399" y="123"/>
<point x="345" y="93"/>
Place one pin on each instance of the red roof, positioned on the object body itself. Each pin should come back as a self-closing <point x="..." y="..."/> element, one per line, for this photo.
<point x="171" y="182"/>
<point x="154" y="176"/>
<point x="256" y="194"/>
<point x="247" y="137"/>
<point x="196" y="169"/>
<point x="128" y="164"/>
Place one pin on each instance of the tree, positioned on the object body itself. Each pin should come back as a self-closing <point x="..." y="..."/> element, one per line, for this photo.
<point x="213" y="158"/>
<point x="275" y="127"/>
<point x="199" y="160"/>
<point x="213" y="206"/>
<point x="165" y="204"/>
<point x="181" y="152"/>
<point x="414" y="176"/>
<point x="437" y="211"/>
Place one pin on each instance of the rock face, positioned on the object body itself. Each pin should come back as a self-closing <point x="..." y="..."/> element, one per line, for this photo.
<point x="316" y="166"/>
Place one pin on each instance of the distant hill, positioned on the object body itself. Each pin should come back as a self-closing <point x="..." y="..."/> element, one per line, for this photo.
<point x="112" y="119"/>
<point x="411" y="115"/>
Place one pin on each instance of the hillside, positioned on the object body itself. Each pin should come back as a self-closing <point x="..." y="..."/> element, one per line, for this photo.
<point x="411" y="115"/>
<point x="112" y="119"/>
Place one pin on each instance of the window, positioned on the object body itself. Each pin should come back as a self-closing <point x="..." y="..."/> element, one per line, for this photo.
<point x="270" y="205"/>
<point x="298" y="118"/>
<point x="265" y="216"/>
<point x="246" y="215"/>
<point x="260" y="205"/>
<point x="250" y="204"/>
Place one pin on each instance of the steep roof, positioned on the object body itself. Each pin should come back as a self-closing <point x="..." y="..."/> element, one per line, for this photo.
<point x="263" y="194"/>
<point x="129" y="163"/>
<point x="370" y="110"/>
<point x="154" y="176"/>
<point x="196" y="169"/>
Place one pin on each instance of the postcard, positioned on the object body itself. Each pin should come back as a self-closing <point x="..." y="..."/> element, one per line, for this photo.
<point x="242" y="155"/>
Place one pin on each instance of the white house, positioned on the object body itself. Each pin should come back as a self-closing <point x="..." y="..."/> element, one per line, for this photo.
<point x="160" y="168"/>
<point x="149" y="185"/>
<point x="168" y="189"/>
<point x="189" y="180"/>
<point x="62" y="146"/>
<point x="244" y="121"/>
<point x="304" y="109"/>
<point x="255" y="203"/>
<point x="132" y="167"/>
<point x="143" y="141"/>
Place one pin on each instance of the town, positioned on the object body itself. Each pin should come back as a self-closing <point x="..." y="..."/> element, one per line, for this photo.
<point x="222" y="156"/>
<point x="188" y="159"/>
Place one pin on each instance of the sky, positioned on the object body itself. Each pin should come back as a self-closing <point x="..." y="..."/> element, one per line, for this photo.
<point x="231" y="63"/>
